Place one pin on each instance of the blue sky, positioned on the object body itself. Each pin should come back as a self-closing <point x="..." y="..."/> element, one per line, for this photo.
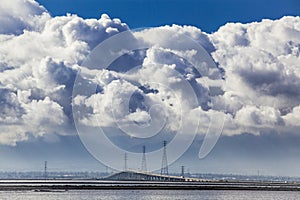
<point x="208" y="15"/>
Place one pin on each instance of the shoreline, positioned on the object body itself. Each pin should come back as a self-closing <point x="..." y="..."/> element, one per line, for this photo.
<point x="67" y="185"/>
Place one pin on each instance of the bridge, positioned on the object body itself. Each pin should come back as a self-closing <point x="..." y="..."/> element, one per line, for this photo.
<point x="132" y="175"/>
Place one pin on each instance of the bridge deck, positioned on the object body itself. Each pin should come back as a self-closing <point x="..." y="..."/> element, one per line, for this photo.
<point x="131" y="175"/>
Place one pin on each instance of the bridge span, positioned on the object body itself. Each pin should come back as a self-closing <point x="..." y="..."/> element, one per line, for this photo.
<point x="132" y="175"/>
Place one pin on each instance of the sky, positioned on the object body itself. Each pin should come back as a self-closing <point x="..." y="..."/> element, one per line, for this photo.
<point x="208" y="15"/>
<point x="219" y="81"/>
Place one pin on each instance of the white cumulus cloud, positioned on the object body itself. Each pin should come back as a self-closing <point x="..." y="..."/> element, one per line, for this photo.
<point x="255" y="86"/>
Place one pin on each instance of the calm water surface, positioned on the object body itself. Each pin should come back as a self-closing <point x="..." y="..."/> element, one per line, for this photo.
<point x="150" y="195"/>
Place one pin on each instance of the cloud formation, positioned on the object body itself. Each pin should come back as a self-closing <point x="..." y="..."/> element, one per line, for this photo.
<point x="255" y="87"/>
<point x="261" y="61"/>
<point x="18" y="15"/>
<point x="39" y="60"/>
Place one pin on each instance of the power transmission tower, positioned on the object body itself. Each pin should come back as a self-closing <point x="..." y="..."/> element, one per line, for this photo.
<point x="125" y="161"/>
<point x="182" y="171"/>
<point x="144" y="163"/>
<point x="45" y="170"/>
<point x="164" y="163"/>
